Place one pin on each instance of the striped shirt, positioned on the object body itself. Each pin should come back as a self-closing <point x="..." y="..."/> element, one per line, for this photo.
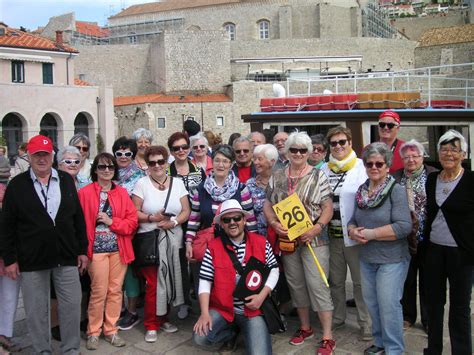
<point x="207" y="268"/>
<point x="336" y="180"/>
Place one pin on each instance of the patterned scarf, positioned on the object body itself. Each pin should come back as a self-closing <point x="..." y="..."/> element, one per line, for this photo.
<point x="364" y="201"/>
<point x="129" y="176"/>
<point x="220" y="194"/>
<point x="341" y="166"/>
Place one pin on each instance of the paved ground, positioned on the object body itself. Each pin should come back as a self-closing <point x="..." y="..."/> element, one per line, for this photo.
<point x="180" y="343"/>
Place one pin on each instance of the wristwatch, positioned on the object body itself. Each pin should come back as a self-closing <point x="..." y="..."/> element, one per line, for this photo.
<point x="322" y="225"/>
<point x="174" y="220"/>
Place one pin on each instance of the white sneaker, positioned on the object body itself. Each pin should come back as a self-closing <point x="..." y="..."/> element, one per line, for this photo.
<point x="151" y="336"/>
<point x="169" y="328"/>
<point x="183" y="311"/>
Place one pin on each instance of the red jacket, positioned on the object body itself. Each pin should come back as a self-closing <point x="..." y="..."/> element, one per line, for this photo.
<point x="223" y="286"/>
<point x="397" y="161"/>
<point x="124" y="217"/>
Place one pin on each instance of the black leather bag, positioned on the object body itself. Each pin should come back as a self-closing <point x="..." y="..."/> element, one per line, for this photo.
<point x="146" y="248"/>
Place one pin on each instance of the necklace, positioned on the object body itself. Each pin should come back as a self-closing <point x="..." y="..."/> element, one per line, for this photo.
<point x="262" y="182"/>
<point x="446" y="190"/>
<point x="161" y="185"/>
<point x="451" y="180"/>
<point x="293" y="181"/>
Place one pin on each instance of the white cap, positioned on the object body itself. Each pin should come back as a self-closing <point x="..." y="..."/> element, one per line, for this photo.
<point x="229" y="206"/>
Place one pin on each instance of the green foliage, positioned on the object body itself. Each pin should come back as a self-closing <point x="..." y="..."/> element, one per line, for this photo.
<point x="100" y="143"/>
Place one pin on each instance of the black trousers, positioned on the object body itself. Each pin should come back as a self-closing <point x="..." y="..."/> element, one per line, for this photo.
<point x="444" y="264"/>
<point x="415" y="279"/>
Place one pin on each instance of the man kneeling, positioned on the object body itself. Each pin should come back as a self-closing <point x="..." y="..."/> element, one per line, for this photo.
<point x="221" y="313"/>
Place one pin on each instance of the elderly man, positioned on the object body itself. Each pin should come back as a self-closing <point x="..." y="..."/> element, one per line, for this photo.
<point x="257" y="138"/>
<point x="220" y="311"/>
<point x="389" y="125"/>
<point x="243" y="167"/>
<point x="279" y="141"/>
<point x="43" y="239"/>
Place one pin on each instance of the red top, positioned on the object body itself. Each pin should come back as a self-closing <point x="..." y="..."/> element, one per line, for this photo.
<point x="397" y="161"/>
<point x="244" y="173"/>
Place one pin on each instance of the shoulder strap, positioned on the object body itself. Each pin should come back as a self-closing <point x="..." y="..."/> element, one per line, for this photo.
<point x="237" y="266"/>
<point x="169" y="193"/>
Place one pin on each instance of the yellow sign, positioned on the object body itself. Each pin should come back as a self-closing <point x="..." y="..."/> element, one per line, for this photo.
<point x="293" y="216"/>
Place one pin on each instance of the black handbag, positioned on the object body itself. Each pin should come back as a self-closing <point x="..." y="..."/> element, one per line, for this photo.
<point x="146" y="245"/>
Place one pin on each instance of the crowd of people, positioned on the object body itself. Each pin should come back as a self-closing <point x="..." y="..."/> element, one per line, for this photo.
<point x="163" y="223"/>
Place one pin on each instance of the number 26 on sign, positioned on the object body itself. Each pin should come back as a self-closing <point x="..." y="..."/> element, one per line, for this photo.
<point x="293" y="216"/>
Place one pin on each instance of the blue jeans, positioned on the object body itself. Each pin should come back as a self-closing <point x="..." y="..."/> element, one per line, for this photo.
<point x="254" y="330"/>
<point x="382" y="289"/>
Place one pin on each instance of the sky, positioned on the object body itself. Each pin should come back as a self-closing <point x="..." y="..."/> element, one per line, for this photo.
<point x="34" y="13"/>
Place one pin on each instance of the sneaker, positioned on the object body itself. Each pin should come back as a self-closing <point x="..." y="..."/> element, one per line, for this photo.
<point x="183" y="311"/>
<point x="374" y="350"/>
<point x="151" y="336"/>
<point x="115" y="340"/>
<point x="326" y="347"/>
<point x="301" y="335"/>
<point x="128" y="321"/>
<point x="92" y="342"/>
<point x="406" y="325"/>
<point x="365" y="334"/>
<point x="169" y="328"/>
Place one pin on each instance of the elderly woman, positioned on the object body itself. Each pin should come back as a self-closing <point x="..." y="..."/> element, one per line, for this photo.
<point x="381" y="223"/>
<point x="200" y="147"/>
<point x="143" y="138"/>
<point x="83" y="144"/>
<point x="111" y="221"/>
<point x="129" y="173"/>
<point x="346" y="173"/>
<point x="320" y="149"/>
<point x="264" y="157"/>
<point x="158" y="212"/>
<point x="450" y="253"/>
<point x="413" y="176"/>
<point x="69" y="160"/>
<point x="307" y="288"/>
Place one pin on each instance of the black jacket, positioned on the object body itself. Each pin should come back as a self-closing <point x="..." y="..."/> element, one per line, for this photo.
<point x="458" y="210"/>
<point x="30" y="237"/>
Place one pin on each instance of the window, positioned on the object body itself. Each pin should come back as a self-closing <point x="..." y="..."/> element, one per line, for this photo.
<point x="161" y="123"/>
<point x="230" y="28"/>
<point x="219" y="120"/>
<point x="18" y="72"/>
<point x="192" y="118"/>
<point x="132" y="39"/>
<point x="264" y="29"/>
<point x="47" y="73"/>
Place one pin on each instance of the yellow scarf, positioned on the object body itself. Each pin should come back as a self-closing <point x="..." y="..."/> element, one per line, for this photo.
<point x="341" y="166"/>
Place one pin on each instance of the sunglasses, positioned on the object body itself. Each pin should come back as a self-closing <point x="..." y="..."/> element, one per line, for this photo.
<point x="123" y="154"/>
<point x="318" y="150"/>
<point x="84" y="149"/>
<point x="201" y="146"/>
<point x="103" y="167"/>
<point x="245" y="151"/>
<point x="153" y="163"/>
<point x="298" y="150"/>
<point x="70" y="162"/>
<point x="180" y="147"/>
<point x="341" y="142"/>
<point x="378" y="164"/>
<point x="227" y="220"/>
<point x="388" y="125"/>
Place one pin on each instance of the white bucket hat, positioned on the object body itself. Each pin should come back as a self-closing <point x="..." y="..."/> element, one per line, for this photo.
<point x="229" y="206"/>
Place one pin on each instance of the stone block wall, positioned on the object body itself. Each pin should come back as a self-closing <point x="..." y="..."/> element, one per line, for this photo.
<point x="444" y="54"/>
<point x="338" y="22"/>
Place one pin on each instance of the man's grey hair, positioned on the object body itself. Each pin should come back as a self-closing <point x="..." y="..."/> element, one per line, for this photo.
<point x="143" y="133"/>
<point x="268" y="150"/>
<point x="242" y="139"/>
<point x="378" y="148"/>
<point x="258" y="133"/>
<point x="450" y="136"/>
<point x="299" y="138"/>
<point x="68" y="149"/>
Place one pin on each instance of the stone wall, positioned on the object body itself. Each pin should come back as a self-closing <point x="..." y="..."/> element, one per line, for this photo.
<point x="66" y="22"/>
<point x="338" y="22"/>
<point x="444" y="55"/>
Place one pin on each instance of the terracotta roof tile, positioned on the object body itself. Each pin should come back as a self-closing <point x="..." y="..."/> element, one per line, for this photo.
<point x="79" y="82"/>
<point x="91" y="29"/>
<point x="170" y="5"/>
<point x="20" y="39"/>
<point x="447" y="35"/>
<point x="162" y="98"/>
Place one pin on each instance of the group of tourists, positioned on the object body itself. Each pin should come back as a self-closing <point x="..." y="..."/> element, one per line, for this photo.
<point x="165" y="223"/>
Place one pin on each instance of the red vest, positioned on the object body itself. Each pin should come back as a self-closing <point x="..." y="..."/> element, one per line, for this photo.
<point x="221" y="298"/>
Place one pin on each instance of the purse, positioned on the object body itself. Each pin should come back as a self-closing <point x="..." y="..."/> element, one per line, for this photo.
<point x="202" y="239"/>
<point x="146" y="244"/>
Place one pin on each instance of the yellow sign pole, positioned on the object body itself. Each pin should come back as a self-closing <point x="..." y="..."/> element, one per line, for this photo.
<point x="316" y="261"/>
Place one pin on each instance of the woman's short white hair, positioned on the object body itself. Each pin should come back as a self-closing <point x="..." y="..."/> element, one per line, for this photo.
<point x="451" y="136"/>
<point x="299" y="138"/>
<point x="268" y="150"/>
<point x="198" y="137"/>
<point x="68" y="149"/>
<point x="412" y="144"/>
<point x="143" y="132"/>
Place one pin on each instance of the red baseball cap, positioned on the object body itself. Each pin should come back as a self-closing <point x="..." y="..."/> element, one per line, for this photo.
<point x="390" y="113"/>
<point x="40" y="143"/>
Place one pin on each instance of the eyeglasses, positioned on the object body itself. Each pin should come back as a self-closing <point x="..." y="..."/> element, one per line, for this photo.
<point x="318" y="150"/>
<point x="302" y="151"/>
<point x="388" y="125"/>
<point x="200" y="146"/>
<point x="70" y="162"/>
<point x="177" y="148"/>
<point x="84" y="149"/>
<point x="121" y="154"/>
<point x="221" y="162"/>
<point x="378" y="164"/>
<point x="412" y="157"/>
<point x="245" y="151"/>
<point x="341" y="142"/>
<point x="445" y="151"/>
<point x="227" y="220"/>
<point x="153" y="163"/>
<point x="103" y="167"/>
